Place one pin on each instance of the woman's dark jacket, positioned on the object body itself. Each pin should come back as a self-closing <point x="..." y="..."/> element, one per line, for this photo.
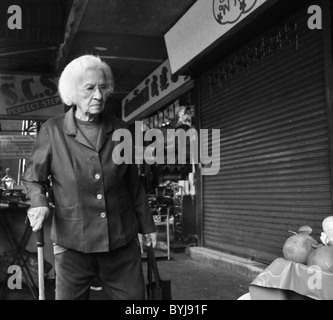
<point x="99" y="205"/>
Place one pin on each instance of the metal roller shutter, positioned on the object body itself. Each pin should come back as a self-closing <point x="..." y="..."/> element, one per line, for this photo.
<point x="275" y="173"/>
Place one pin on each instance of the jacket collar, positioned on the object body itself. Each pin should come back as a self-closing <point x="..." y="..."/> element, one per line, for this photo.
<point x="71" y="128"/>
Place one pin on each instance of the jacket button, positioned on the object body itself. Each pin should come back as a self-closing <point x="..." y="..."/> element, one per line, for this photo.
<point x="97" y="176"/>
<point x="99" y="196"/>
<point x="103" y="215"/>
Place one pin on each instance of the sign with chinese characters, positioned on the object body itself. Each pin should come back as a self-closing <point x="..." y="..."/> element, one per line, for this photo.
<point x="16" y="146"/>
<point x="25" y="95"/>
<point x="274" y="40"/>
<point x="202" y="25"/>
<point x="155" y="87"/>
<point x="230" y="11"/>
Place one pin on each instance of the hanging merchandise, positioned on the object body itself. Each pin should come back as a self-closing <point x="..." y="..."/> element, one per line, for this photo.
<point x="166" y="119"/>
<point x="171" y="112"/>
<point x="178" y="215"/>
<point x="151" y="122"/>
<point x="191" y="183"/>
<point x="155" y="121"/>
<point x="184" y="118"/>
<point x="146" y="125"/>
<point x="160" y="118"/>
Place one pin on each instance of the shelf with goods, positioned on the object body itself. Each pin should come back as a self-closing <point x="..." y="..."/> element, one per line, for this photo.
<point x="167" y="206"/>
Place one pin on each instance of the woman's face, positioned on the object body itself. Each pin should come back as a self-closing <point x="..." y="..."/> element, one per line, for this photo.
<point x="91" y="94"/>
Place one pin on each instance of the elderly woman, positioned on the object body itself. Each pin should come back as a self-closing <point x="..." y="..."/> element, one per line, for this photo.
<point x="100" y="206"/>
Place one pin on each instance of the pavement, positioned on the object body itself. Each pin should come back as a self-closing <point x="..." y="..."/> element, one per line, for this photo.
<point x="196" y="274"/>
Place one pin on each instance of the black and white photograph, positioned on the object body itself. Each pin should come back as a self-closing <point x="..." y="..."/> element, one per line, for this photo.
<point x="166" y="154"/>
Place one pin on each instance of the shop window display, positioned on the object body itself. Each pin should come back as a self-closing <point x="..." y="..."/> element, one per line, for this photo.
<point x="168" y="183"/>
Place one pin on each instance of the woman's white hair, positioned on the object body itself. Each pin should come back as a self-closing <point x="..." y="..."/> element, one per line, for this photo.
<point x="68" y="80"/>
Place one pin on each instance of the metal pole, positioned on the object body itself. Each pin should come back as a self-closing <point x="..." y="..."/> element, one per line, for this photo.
<point x="40" y="254"/>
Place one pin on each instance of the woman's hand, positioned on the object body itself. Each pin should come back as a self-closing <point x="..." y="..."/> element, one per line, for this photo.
<point x="148" y="239"/>
<point x="37" y="216"/>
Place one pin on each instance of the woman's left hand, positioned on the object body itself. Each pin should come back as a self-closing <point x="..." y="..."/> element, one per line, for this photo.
<point x="149" y="239"/>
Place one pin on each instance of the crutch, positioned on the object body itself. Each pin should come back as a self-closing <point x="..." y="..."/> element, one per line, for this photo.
<point x="40" y="254"/>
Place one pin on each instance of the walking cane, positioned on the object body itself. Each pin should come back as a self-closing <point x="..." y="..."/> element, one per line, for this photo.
<point x="40" y="254"/>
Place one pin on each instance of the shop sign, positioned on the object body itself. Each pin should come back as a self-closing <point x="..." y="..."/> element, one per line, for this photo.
<point x="274" y="40"/>
<point x="155" y="87"/>
<point x="16" y="146"/>
<point x="202" y="25"/>
<point x="230" y="11"/>
<point x="25" y="95"/>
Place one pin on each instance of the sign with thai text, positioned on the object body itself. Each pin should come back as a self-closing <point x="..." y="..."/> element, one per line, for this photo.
<point x="156" y="86"/>
<point x="202" y="25"/>
<point x="25" y="95"/>
<point x="16" y="146"/>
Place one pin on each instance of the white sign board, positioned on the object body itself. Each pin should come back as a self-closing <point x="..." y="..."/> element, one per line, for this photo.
<point x="16" y="146"/>
<point x="202" y="25"/>
<point x="155" y="87"/>
<point x="25" y="95"/>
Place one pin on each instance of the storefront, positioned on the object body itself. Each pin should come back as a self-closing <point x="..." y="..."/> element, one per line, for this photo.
<point x="269" y="96"/>
<point x="160" y="104"/>
<point x="26" y="101"/>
